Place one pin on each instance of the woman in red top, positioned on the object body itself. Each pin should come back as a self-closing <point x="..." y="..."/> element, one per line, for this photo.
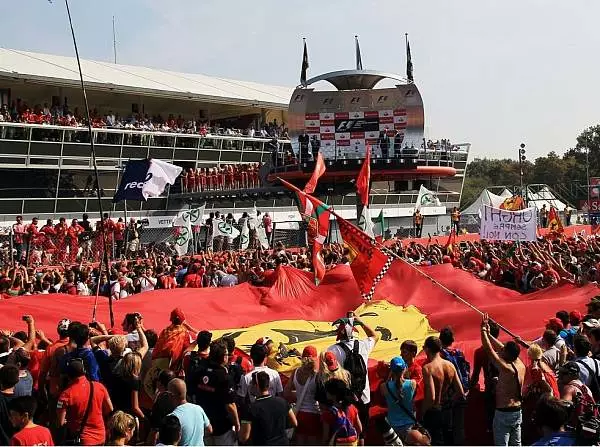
<point x="194" y="277"/>
<point x="214" y="179"/>
<point x="230" y="177"/>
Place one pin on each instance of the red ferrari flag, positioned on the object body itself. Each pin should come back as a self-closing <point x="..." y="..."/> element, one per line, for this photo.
<point x="554" y="222"/>
<point x="364" y="178"/>
<point x="311" y="185"/>
<point x="316" y="214"/>
<point x="368" y="263"/>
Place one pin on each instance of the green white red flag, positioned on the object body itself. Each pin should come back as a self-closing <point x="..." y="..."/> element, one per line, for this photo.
<point x="316" y="214"/>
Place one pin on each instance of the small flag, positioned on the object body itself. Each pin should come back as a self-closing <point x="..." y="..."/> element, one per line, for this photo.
<point x="358" y="58"/>
<point x="554" y="222"/>
<point x="183" y="232"/>
<point x="144" y="179"/>
<point x="409" y="64"/>
<point x="364" y="178"/>
<point x="381" y="221"/>
<point x="365" y="222"/>
<point x="426" y="198"/>
<point x="514" y="203"/>
<point x="450" y="243"/>
<point x="305" y="65"/>
<point x="367" y="262"/>
<point x="193" y="216"/>
<point x="311" y="185"/>
<point x="222" y="228"/>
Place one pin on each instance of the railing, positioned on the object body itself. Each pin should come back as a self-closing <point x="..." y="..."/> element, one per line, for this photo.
<point x="35" y="145"/>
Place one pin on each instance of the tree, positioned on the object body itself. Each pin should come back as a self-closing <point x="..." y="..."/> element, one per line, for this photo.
<point x="568" y="173"/>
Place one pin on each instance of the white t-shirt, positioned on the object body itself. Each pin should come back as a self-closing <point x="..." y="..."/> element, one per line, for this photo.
<point x="116" y="291"/>
<point x="246" y="386"/>
<point x="146" y="285"/>
<point x="584" y="374"/>
<point x="364" y="349"/>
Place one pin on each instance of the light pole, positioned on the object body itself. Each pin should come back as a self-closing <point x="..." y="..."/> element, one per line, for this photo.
<point x="522" y="159"/>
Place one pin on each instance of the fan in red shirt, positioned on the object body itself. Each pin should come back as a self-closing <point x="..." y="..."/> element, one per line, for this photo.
<point x="194" y="277"/>
<point x="414" y="370"/>
<point x="21" y="411"/>
<point x="73" y="233"/>
<point x="60" y="230"/>
<point x="73" y="402"/>
<point x="119" y="236"/>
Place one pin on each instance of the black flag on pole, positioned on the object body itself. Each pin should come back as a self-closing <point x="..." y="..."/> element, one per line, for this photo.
<point x="304" y="65"/>
<point x="358" y="58"/>
<point x="409" y="64"/>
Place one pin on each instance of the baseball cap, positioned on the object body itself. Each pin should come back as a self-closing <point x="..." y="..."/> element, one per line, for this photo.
<point x="177" y="315"/>
<point x="63" y="325"/>
<point x="575" y="315"/>
<point x="591" y="323"/>
<point x="397" y="364"/>
<point x="569" y="368"/>
<point x="263" y="340"/>
<point x="310" y="351"/>
<point x="331" y="361"/>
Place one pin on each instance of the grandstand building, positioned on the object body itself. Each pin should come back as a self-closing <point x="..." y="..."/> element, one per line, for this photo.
<point x="197" y="121"/>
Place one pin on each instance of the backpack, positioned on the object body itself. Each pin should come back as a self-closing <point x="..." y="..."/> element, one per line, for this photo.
<point x="463" y="367"/>
<point x="355" y="365"/>
<point x="584" y="404"/>
<point x="342" y="428"/>
<point x="594" y="383"/>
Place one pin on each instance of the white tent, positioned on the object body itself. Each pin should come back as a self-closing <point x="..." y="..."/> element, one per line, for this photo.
<point x="487" y="198"/>
<point x="543" y="197"/>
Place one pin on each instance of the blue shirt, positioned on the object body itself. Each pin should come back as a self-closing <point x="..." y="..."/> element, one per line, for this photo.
<point x="559" y="438"/>
<point x="180" y="275"/>
<point x="193" y="421"/>
<point x="397" y="416"/>
<point x="89" y="360"/>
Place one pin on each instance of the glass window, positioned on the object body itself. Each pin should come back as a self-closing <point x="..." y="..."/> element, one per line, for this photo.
<point x="38" y="206"/>
<point x="11" y="206"/>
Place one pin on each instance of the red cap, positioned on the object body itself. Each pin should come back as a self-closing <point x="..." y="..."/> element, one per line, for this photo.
<point x="177" y="315"/>
<point x="310" y="351"/>
<point x="575" y="315"/>
<point x="331" y="361"/>
<point x="554" y="324"/>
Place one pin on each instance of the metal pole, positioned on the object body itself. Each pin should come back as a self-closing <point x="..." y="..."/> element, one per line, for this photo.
<point x="114" y="40"/>
<point x="587" y="181"/>
<point x="93" y="156"/>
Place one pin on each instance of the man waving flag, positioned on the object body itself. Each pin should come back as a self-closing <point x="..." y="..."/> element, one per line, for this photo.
<point x="363" y="186"/>
<point x="316" y="214"/>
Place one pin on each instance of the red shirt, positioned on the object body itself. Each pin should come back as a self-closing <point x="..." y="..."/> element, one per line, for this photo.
<point x="50" y="366"/>
<point x="168" y="282"/>
<point x="74" y="399"/>
<point x="415" y="372"/>
<point x="35" y="366"/>
<point x="37" y="435"/>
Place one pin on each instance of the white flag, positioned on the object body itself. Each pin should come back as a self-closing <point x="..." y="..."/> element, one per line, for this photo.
<point x="245" y="237"/>
<point x="426" y="198"/>
<point x="160" y="173"/>
<point x="222" y="228"/>
<point x="365" y="222"/>
<point x="262" y="236"/>
<point x="194" y="216"/>
<point x="183" y="238"/>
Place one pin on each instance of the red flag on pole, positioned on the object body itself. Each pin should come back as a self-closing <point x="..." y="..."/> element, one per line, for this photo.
<point x="364" y="178"/>
<point x="316" y="214"/>
<point x="311" y="185"/>
<point x="368" y="263"/>
<point x="554" y="222"/>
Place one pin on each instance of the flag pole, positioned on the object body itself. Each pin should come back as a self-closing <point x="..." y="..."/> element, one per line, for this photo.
<point x="93" y="157"/>
<point x="434" y="281"/>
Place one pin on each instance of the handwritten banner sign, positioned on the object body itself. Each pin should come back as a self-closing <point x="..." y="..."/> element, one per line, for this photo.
<point x="503" y="225"/>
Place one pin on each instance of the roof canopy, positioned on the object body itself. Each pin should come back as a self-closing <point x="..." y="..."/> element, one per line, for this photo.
<point x="62" y="71"/>
<point x="355" y="79"/>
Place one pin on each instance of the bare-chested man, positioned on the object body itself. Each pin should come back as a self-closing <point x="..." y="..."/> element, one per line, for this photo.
<point x="508" y="416"/>
<point x="442" y="385"/>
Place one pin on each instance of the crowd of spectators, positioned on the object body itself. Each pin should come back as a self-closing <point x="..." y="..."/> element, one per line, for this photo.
<point x="238" y="176"/>
<point x="20" y="112"/>
<point x="177" y="386"/>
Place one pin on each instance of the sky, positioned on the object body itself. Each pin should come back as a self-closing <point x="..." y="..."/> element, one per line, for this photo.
<point x="492" y="73"/>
